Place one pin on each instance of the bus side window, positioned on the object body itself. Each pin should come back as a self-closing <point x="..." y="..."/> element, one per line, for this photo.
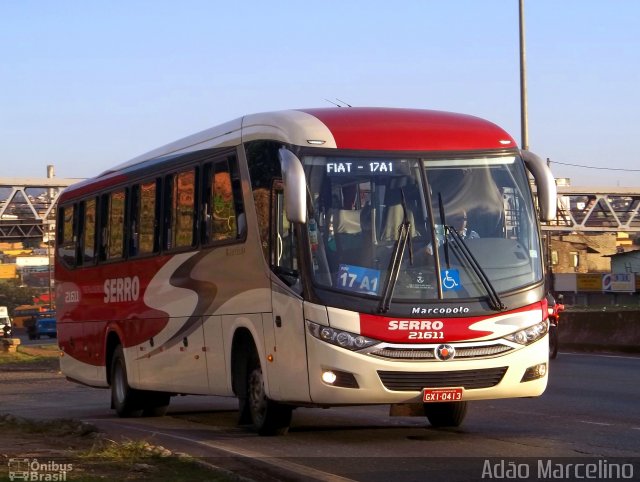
<point x="142" y="225"/>
<point x="179" y="209"/>
<point x="88" y="232"/>
<point x="223" y="211"/>
<point x="66" y="237"/>
<point x="236" y="189"/>
<point x="264" y="167"/>
<point x="115" y="226"/>
<point x="220" y="218"/>
<point x="283" y="251"/>
<point x="133" y="243"/>
<point x="146" y="224"/>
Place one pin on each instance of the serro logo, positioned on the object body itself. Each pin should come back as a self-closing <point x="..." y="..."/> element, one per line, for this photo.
<point x="416" y="325"/>
<point x="121" y="289"/>
<point x="445" y="352"/>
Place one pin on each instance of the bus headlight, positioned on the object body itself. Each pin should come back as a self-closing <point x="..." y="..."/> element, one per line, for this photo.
<point x="344" y="339"/>
<point x="529" y="335"/>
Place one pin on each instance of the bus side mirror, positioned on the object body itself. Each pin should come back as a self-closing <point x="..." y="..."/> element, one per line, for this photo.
<point x="295" y="186"/>
<point x="545" y="184"/>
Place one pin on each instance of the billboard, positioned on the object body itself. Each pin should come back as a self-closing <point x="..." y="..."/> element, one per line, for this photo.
<point x="619" y="282"/>
<point x="589" y="282"/>
<point x="32" y="261"/>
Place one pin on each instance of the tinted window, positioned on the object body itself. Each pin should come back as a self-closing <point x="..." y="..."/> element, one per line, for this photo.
<point x="181" y="213"/>
<point x="264" y="168"/>
<point x="222" y="202"/>
<point x="115" y="230"/>
<point x="143" y="215"/>
<point x="66" y="235"/>
<point x="89" y="232"/>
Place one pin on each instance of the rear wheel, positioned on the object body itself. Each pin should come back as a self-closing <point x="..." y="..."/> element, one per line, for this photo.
<point x="268" y="417"/>
<point x="445" y="414"/>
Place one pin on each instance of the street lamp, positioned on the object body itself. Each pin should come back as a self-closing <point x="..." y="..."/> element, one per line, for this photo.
<point x="523" y="83"/>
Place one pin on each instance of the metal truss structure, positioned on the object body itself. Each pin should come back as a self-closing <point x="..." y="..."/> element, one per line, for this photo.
<point x="596" y="209"/>
<point x="27" y="206"/>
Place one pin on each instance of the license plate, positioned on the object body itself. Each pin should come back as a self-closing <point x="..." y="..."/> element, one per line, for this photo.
<point x="442" y="394"/>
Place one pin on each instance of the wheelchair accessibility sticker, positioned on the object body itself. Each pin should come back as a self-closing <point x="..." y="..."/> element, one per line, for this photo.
<point x="450" y="279"/>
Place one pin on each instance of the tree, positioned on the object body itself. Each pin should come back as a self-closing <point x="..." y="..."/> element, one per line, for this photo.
<point x="12" y="294"/>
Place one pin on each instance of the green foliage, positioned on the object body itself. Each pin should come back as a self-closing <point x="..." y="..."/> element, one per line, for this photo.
<point x="12" y="294"/>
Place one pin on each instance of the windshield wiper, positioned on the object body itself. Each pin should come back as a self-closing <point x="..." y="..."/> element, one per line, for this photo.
<point x="444" y="231"/>
<point x="393" y="271"/>
<point x="461" y="246"/>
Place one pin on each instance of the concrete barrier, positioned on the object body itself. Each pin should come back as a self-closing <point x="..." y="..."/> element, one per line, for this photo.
<point x="617" y="331"/>
<point x="10" y="345"/>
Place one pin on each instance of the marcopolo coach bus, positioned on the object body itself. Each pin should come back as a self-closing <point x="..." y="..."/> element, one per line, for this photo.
<point x="310" y="258"/>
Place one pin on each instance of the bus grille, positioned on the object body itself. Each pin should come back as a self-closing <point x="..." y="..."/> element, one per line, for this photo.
<point x="416" y="381"/>
<point x="404" y="353"/>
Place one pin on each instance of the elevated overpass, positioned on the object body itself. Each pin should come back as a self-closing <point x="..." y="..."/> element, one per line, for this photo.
<point x="27" y="206"/>
<point x="596" y="209"/>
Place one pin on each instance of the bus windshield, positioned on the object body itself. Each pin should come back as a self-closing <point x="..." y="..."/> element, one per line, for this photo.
<point x="359" y="205"/>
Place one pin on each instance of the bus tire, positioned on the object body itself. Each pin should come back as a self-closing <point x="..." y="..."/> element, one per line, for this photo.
<point x="126" y="401"/>
<point x="445" y="414"/>
<point x="268" y="417"/>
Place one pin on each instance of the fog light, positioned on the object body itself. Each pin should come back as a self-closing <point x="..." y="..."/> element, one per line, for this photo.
<point x="534" y="372"/>
<point x="329" y="377"/>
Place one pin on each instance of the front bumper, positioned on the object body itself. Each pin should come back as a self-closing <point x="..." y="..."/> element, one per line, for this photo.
<point x="486" y="378"/>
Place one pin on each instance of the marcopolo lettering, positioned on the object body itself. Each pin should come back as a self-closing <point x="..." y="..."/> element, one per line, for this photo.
<point x="415" y="325"/>
<point x="442" y="310"/>
<point x="121" y="289"/>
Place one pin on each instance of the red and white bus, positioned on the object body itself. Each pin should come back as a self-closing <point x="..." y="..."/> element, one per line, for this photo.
<point x="315" y="257"/>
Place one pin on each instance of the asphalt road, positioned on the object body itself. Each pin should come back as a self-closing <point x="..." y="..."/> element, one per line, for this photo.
<point x="589" y="411"/>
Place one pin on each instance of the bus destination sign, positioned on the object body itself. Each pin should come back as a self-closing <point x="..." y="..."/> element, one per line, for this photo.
<point x="362" y="167"/>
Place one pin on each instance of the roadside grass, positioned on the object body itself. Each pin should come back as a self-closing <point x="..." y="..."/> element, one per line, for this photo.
<point x="92" y="457"/>
<point x="42" y="356"/>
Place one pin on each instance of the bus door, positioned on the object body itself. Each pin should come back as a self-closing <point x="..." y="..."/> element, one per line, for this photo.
<point x="288" y="376"/>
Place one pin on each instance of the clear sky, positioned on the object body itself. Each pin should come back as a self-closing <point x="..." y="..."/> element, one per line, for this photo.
<point x="85" y="85"/>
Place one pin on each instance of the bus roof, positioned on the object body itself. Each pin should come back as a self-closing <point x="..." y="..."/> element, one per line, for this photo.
<point x="357" y="128"/>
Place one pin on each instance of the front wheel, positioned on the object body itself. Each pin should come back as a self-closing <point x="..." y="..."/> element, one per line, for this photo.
<point x="268" y="417"/>
<point x="445" y="414"/>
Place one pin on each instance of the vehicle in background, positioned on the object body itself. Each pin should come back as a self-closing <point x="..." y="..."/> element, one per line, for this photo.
<point x="24" y="313"/>
<point x="42" y="324"/>
<point x="5" y="322"/>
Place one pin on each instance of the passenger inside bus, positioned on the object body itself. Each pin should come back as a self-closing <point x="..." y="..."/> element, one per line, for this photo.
<point x="457" y="221"/>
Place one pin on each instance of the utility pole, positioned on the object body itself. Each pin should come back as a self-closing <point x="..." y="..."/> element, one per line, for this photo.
<point x="523" y="84"/>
